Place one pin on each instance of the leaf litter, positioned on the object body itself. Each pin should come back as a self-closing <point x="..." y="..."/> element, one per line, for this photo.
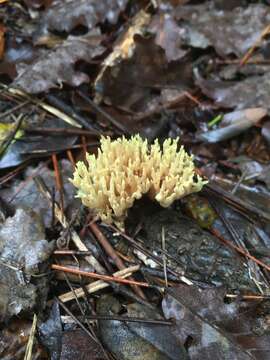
<point x="198" y="70"/>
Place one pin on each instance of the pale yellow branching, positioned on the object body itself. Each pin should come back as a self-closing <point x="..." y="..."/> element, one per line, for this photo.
<point x="125" y="169"/>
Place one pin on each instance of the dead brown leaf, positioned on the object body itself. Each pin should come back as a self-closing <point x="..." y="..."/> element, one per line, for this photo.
<point x="64" y="15"/>
<point x="229" y="32"/>
<point x="55" y="67"/>
<point x="248" y="93"/>
<point x="167" y="35"/>
<point x="235" y="331"/>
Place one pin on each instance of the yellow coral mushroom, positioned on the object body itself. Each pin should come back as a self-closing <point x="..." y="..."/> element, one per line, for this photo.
<point x="126" y="169"/>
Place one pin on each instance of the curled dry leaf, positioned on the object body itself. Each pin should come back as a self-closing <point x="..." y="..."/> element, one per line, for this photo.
<point x="55" y="67"/>
<point x="248" y="93"/>
<point x="23" y="249"/>
<point x="229" y="32"/>
<point x="133" y="340"/>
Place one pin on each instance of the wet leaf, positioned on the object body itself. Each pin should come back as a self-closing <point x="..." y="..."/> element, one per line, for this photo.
<point x="130" y="83"/>
<point x="248" y="93"/>
<point x="203" y="26"/>
<point x="25" y="193"/>
<point x="218" y="330"/>
<point x="55" y="67"/>
<point x="23" y="249"/>
<point x="138" y="65"/>
<point x="168" y="36"/>
<point x="194" y="251"/>
<point x="76" y="344"/>
<point x="50" y="332"/>
<point x="129" y="340"/>
<point x="252" y="170"/>
<point x="64" y="15"/>
<point x="234" y="123"/>
<point x="28" y="146"/>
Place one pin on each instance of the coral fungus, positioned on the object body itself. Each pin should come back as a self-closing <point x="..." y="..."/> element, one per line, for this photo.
<point x="126" y="169"/>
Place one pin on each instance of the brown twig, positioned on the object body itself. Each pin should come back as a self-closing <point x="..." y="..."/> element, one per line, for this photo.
<point x="111" y="252"/>
<point x="62" y="131"/>
<point x="97" y="285"/>
<point x="237" y="203"/>
<point x="99" y="276"/>
<point x="247" y="297"/>
<point x="58" y="180"/>
<point x="71" y="158"/>
<point x="249" y="53"/>
<point x="13" y="173"/>
<point x="84" y="146"/>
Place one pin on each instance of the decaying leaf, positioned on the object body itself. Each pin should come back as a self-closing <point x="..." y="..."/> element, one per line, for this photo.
<point x="167" y="35"/>
<point x="235" y="331"/>
<point x="23" y="249"/>
<point x="129" y="340"/>
<point x="248" y="93"/>
<point x="64" y="15"/>
<point x="25" y="193"/>
<point x="76" y="344"/>
<point x="140" y="63"/>
<point x="124" y="46"/>
<point x="230" y="32"/>
<point x="195" y="252"/>
<point x="55" y="67"/>
<point x="14" y="338"/>
<point x="130" y="83"/>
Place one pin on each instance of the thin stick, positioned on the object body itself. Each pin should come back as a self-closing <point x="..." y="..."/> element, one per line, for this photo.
<point x="97" y="285"/>
<point x="29" y="346"/>
<point x="71" y="158"/>
<point x="10" y="111"/>
<point x="62" y="131"/>
<point x="247" y="297"/>
<point x="249" y="53"/>
<point x="62" y="219"/>
<point x="164" y="256"/>
<point x="111" y="252"/>
<point x="58" y="180"/>
<point x="98" y="276"/>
